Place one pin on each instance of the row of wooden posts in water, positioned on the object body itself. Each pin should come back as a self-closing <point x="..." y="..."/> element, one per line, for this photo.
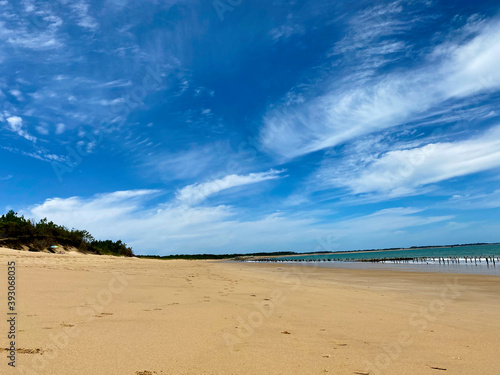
<point x="489" y="260"/>
<point x="453" y="260"/>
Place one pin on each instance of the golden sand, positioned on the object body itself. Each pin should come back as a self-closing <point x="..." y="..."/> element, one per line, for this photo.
<point x="86" y="314"/>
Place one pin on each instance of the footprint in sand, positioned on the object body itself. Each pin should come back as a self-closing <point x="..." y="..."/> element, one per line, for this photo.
<point x="26" y="351"/>
<point x="30" y="351"/>
<point x="101" y="315"/>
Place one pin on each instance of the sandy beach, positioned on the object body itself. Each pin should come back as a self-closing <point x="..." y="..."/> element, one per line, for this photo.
<point x="89" y="314"/>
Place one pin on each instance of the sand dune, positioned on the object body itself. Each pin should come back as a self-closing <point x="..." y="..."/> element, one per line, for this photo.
<point x="86" y="314"/>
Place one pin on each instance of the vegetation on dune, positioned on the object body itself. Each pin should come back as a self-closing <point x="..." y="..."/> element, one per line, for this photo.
<point x="16" y="232"/>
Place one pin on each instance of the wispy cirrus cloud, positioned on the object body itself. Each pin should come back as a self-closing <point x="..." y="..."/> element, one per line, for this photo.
<point x="375" y="37"/>
<point x="189" y="163"/>
<point x="286" y="31"/>
<point x="39" y="154"/>
<point x="404" y="171"/>
<point x="81" y="10"/>
<point x="36" y="27"/>
<point x="452" y="71"/>
<point x="117" y="83"/>
<point x="54" y="89"/>
<point x="474" y="201"/>
<point x="196" y="193"/>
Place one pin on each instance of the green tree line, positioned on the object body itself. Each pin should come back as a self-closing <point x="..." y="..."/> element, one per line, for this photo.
<point x="16" y="232"/>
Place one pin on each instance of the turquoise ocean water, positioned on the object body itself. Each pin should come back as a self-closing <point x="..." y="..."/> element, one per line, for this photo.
<point x="424" y="260"/>
<point x="443" y="252"/>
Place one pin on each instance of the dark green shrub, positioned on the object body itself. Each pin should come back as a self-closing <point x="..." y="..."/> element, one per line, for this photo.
<point x="16" y="231"/>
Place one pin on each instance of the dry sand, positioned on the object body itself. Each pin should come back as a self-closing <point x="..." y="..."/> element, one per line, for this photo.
<point x="84" y="314"/>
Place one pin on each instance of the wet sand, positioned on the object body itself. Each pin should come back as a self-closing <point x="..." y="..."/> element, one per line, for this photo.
<point x="85" y="314"/>
<point x="476" y="269"/>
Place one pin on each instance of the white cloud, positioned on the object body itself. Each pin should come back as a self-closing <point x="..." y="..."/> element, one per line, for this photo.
<point x="117" y="83"/>
<point x="286" y="31"/>
<point x="196" y="193"/>
<point x="15" y="123"/>
<point x="355" y="107"/>
<point x="81" y="9"/>
<point x="191" y="162"/>
<point x="474" y="201"/>
<point x="106" y="206"/>
<point x="44" y="36"/>
<point x="390" y="219"/>
<point x="172" y="228"/>
<point x="372" y="38"/>
<point x="17" y="94"/>
<point x="16" y="126"/>
<point x="401" y="172"/>
<point x="60" y="127"/>
<point x="39" y="154"/>
<point x="111" y="102"/>
<point x="89" y="146"/>
<point x="42" y="129"/>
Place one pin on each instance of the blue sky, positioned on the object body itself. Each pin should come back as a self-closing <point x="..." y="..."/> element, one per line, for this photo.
<point x="230" y="126"/>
